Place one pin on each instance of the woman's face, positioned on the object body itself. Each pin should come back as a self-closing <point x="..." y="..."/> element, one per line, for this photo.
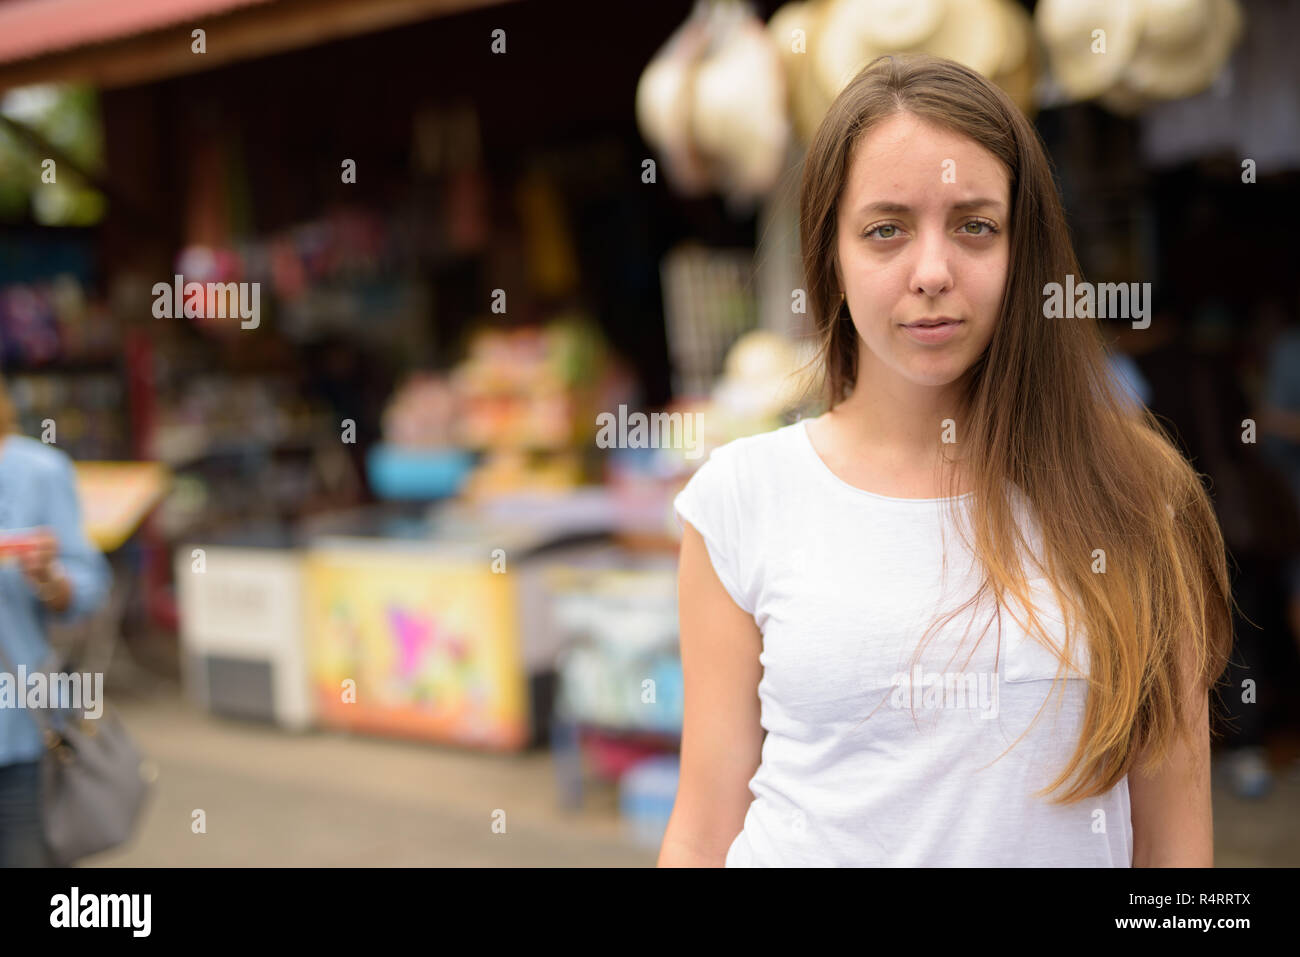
<point x="922" y="234"/>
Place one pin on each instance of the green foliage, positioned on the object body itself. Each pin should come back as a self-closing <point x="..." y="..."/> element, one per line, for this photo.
<point x="68" y="118"/>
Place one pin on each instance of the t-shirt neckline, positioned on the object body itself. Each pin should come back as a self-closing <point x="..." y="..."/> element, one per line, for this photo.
<point x="805" y="441"/>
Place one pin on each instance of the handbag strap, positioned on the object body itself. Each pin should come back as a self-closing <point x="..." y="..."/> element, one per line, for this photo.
<point x="42" y="721"/>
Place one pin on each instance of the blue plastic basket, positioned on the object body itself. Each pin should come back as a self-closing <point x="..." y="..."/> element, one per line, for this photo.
<point x="397" y="473"/>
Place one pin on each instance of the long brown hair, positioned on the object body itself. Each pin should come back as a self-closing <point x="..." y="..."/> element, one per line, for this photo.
<point x="1042" y="412"/>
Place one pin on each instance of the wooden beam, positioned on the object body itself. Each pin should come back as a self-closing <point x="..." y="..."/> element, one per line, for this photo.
<point x="239" y="35"/>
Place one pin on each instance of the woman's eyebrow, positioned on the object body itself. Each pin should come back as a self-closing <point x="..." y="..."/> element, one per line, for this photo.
<point x="977" y="204"/>
<point x="961" y="207"/>
<point x="885" y="208"/>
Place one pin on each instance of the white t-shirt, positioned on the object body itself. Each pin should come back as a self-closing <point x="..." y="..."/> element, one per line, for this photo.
<point x="842" y="583"/>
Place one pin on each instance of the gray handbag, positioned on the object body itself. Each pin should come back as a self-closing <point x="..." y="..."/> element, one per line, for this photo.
<point x="93" y="784"/>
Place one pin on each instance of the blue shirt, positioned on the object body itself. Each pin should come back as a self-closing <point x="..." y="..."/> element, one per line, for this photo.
<point x="38" y="488"/>
<point x="1282" y="389"/>
<point x="1129" y="376"/>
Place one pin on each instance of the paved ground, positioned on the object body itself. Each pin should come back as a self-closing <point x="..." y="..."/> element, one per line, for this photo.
<point x="1264" y="833"/>
<point x="274" y="798"/>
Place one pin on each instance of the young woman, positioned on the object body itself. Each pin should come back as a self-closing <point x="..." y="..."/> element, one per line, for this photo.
<point x="972" y="613"/>
<point x="63" y="577"/>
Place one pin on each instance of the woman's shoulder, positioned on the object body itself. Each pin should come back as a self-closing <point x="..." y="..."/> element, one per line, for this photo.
<point x="758" y="447"/>
<point x="757" y="473"/>
<point x="35" y="454"/>
<point x="745" y="468"/>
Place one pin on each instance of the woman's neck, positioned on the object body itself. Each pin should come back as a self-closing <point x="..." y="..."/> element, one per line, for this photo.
<point x="913" y="424"/>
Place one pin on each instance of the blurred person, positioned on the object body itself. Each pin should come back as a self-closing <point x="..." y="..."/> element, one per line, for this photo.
<point x="814" y="555"/>
<point x="1123" y="367"/>
<point x="60" y="577"/>
<point x="1129" y="377"/>
<point x="1195" y="388"/>
<point x="1279" y="424"/>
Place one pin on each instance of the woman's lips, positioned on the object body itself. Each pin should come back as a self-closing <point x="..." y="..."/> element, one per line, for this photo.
<point x="931" y="332"/>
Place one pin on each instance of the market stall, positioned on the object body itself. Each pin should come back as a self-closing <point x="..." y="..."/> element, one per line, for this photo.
<point x="425" y="492"/>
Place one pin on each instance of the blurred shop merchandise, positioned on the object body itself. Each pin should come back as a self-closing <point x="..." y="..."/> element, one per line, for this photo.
<point x="620" y="695"/>
<point x="760" y="382"/>
<point x="621" y="668"/>
<point x="837" y="38"/>
<point x="719" y="100"/>
<point x="446" y="144"/>
<point x="324" y="273"/>
<point x="53" y="320"/>
<point x="84" y="403"/>
<point x="547" y="239"/>
<point x="1253" y="109"/>
<point x="418" y="474"/>
<point x="59" y="345"/>
<point x="222" y="412"/>
<point x="1130" y="53"/>
<point x="663" y="106"/>
<point x="712" y="103"/>
<point x="709" y="302"/>
<point x="507" y="370"/>
<point x="988" y="36"/>
<point x="224" y="434"/>
<point x="807" y="102"/>
<point x="419" y="458"/>
<point x="528" y="398"/>
<point x="423" y="413"/>
<point x="766" y="382"/>
<point x="646" y="794"/>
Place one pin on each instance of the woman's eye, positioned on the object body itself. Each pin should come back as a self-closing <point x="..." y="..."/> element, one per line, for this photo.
<point x="878" y="231"/>
<point x="978" y="224"/>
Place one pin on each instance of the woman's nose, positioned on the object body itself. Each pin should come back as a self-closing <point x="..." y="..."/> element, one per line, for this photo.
<point x="931" y="275"/>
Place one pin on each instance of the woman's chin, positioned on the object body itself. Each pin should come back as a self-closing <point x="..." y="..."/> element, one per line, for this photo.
<point x="936" y="375"/>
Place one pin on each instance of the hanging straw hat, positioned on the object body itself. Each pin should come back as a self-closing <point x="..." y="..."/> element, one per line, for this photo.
<point x="1066" y="28"/>
<point x="739" y="114"/>
<point x="663" y="106"/>
<point x="993" y="37"/>
<point x="842" y="46"/>
<point x="855" y="32"/>
<point x="1169" y="24"/>
<point x="889" y="25"/>
<point x="806" y="104"/>
<point x="1017" y="73"/>
<point x="1184" y="45"/>
<point x="781" y="28"/>
<point x="810" y="99"/>
<point x="1017" y="36"/>
<point x="973" y="33"/>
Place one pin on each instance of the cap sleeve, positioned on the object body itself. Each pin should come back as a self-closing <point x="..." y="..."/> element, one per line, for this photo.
<point x="711" y="503"/>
